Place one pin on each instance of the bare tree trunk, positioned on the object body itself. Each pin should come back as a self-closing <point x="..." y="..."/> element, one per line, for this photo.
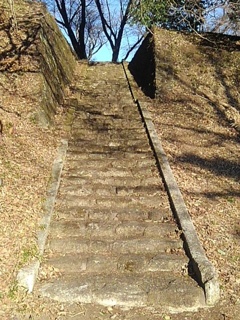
<point x="114" y="37"/>
<point x="78" y="46"/>
<point x="82" y="31"/>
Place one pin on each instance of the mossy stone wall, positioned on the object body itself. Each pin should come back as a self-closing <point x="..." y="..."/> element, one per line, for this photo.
<point x="57" y="64"/>
<point x="36" y="54"/>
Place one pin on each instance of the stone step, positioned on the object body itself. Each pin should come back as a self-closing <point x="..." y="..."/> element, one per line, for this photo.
<point x="108" y="123"/>
<point x="126" y="160"/>
<point x="89" y="113"/>
<point x="107" y="130"/>
<point x="84" y="171"/>
<point x="117" y="164"/>
<point x="113" y="230"/>
<point x="89" y="107"/>
<point x="107" y="114"/>
<point x="115" y="203"/>
<point x="166" y="291"/>
<point x="89" y="148"/>
<point x="74" y="213"/>
<point x="133" y="246"/>
<point x="77" y="154"/>
<point x="105" y="136"/>
<point x="100" y="189"/>
<point x="114" y="130"/>
<point x="88" y="189"/>
<point x="112" y="181"/>
<point x="102" y="264"/>
<point x="113" y="92"/>
<point x="107" y="141"/>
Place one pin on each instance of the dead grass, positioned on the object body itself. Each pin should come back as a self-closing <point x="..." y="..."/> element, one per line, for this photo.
<point x="202" y="143"/>
<point x="26" y="153"/>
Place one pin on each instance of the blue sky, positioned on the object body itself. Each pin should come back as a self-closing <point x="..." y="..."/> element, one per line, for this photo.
<point x="105" y="54"/>
<point x="130" y="36"/>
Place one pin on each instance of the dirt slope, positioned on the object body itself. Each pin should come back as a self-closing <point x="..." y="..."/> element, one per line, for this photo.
<point x="197" y="115"/>
<point x="26" y="149"/>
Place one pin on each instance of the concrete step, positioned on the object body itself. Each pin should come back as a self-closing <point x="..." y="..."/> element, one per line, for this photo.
<point x="115" y="203"/>
<point x="89" y="107"/>
<point x="106" y="141"/>
<point x="104" y="171"/>
<point x="112" y="181"/>
<point x="112" y="230"/>
<point x="83" y="147"/>
<point x="117" y="164"/>
<point x="144" y="246"/>
<point x="103" y="190"/>
<point x="163" y="290"/>
<point x="88" y="189"/>
<point x="106" y="263"/>
<point x="77" y="154"/>
<point x="108" y="123"/>
<point x="114" y="131"/>
<point x="74" y="213"/>
<point x="104" y="134"/>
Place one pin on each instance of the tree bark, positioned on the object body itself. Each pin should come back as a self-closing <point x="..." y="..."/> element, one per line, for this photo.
<point x="114" y="38"/>
<point x="78" y="46"/>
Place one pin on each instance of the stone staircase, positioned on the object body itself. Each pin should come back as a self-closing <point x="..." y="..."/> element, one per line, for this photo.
<point x="113" y="240"/>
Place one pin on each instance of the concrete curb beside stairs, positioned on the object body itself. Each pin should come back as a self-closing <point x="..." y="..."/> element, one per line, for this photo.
<point x="204" y="270"/>
<point x="27" y="275"/>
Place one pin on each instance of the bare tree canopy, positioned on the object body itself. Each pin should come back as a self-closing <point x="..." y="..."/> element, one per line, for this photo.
<point x="80" y="21"/>
<point x="224" y="17"/>
<point x="89" y="24"/>
<point x="199" y="15"/>
<point x="114" y="18"/>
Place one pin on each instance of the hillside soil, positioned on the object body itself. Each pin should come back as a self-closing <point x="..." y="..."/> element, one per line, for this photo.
<point x="203" y="151"/>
